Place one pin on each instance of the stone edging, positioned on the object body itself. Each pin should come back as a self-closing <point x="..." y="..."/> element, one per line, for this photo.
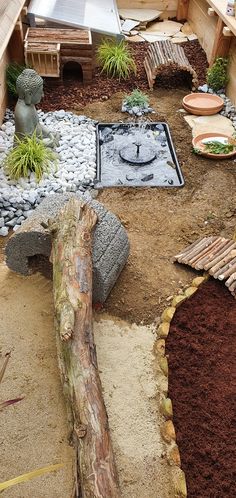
<point x="167" y="428"/>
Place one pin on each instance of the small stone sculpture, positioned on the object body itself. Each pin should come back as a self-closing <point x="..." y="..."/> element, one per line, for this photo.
<point x="29" y="86"/>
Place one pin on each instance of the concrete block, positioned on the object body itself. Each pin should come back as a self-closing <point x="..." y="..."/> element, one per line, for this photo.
<point x="110" y="247"/>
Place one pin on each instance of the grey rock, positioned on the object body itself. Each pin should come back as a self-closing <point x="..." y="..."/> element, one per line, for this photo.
<point x="12" y="222"/>
<point x="4" y="231"/>
<point x="203" y="88"/>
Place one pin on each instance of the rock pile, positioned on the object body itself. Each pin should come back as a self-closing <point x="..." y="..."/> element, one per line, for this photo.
<point x="136" y="110"/>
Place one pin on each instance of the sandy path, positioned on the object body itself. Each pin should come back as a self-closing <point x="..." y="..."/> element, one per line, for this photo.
<point x="33" y="432"/>
<point x="126" y="364"/>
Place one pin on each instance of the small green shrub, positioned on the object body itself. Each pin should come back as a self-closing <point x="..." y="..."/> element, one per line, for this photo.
<point x="12" y="72"/>
<point x="217" y="77"/>
<point x="29" y="155"/>
<point x="137" y="98"/>
<point x="116" y="59"/>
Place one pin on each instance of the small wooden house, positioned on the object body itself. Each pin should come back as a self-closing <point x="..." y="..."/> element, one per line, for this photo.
<point x="48" y="50"/>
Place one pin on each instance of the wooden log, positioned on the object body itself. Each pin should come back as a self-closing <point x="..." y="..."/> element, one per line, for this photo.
<point x="187" y="249"/>
<point x="208" y="254"/>
<point x="196" y="251"/>
<point x="72" y="282"/>
<point x="227" y="272"/>
<point x="220" y="255"/>
<point x="231" y="279"/>
<point x="224" y="265"/>
<point x="201" y="264"/>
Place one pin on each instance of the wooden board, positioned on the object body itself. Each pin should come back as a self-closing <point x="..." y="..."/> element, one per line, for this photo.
<point x="219" y="6"/>
<point x="203" y="25"/>
<point x="3" y="88"/>
<point x="231" y="88"/>
<point x="65" y="36"/>
<point x="169" y="7"/>
<point x="9" y="12"/>
<point x="182" y="9"/>
<point x="221" y="44"/>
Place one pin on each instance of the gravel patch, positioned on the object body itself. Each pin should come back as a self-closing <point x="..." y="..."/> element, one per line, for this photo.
<point x="75" y="169"/>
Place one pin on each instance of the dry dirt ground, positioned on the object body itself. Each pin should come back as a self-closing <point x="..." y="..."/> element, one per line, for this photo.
<point x="162" y="221"/>
<point x="159" y="222"/>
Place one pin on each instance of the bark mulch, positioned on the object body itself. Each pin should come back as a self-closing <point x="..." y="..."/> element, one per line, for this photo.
<point x="202" y="385"/>
<point x="71" y="94"/>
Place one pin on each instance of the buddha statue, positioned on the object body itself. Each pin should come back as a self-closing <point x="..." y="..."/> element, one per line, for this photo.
<point x="29" y="87"/>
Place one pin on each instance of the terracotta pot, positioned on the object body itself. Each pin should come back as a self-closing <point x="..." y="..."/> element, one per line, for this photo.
<point x="203" y="104"/>
<point x="197" y="143"/>
<point x="201" y="112"/>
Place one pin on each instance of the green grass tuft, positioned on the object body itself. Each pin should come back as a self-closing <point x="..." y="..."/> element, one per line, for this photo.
<point x="116" y="59"/>
<point x="29" y="155"/>
<point x="12" y="72"/>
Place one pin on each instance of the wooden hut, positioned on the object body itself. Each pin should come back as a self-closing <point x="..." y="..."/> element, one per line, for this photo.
<point x="11" y="41"/>
<point x="48" y="50"/>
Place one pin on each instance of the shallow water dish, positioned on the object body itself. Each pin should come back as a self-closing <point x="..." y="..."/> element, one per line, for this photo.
<point x="202" y="103"/>
<point x="197" y="144"/>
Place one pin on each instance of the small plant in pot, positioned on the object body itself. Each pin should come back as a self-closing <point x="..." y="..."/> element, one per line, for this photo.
<point x="136" y="103"/>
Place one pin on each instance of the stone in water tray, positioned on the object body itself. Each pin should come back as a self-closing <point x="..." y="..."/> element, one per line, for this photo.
<point x="136" y="155"/>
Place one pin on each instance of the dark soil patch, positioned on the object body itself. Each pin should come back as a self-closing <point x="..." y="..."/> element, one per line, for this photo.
<point x="202" y="384"/>
<point x="71" y="94"/>
<point x="174" y="78"/>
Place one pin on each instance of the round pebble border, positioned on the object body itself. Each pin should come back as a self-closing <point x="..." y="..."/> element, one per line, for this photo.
<point x="75" y="169"/>
<point x="167" y="428"/>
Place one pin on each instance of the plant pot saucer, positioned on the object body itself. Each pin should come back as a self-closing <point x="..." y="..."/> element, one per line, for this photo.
<point x="203" y="103"/>
<point x="197" y="144"/>
<point x="201" y="112"/>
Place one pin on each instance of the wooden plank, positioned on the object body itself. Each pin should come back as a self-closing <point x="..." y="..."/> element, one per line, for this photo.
<point x="221" y="44"/>
<point x="231" y="87"/>
<point x="148" y="4"/>
<point x="8" y="20"/>
<point x="66" y="36"/>
<point x="3" y="88"/>
<point x="203" y="25"/>
<point x="45" y="47"/>
<point x="220" y="7"/>
<point x="182" y="9"/>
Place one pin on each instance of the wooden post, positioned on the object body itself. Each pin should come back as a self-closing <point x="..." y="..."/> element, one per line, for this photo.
<point x="16" y="44"/>
<point x="182" y="9"/>
<point x="221" y="43"/>
<point x="72" y="286"/>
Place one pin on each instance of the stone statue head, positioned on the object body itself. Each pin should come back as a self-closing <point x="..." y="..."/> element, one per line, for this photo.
<point x="29" y="86"/>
